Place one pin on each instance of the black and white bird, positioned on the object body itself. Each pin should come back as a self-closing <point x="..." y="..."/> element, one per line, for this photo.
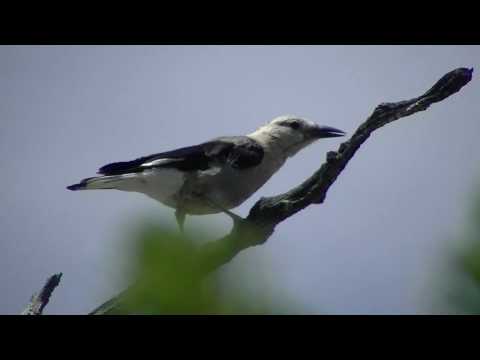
<point x="214" y="176"/>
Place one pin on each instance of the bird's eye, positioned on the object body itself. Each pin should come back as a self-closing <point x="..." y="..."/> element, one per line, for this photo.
<point x="294" y="125"/>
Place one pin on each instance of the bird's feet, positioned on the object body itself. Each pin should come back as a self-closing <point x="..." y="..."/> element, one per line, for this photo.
<point x="180" y="216"/>
<point x="237" y="219"/>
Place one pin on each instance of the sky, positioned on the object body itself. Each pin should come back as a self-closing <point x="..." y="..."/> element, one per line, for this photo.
<point x="374" y="247"/>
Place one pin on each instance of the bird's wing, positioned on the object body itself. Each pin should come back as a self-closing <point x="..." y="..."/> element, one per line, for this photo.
<point x="239" y="152"/>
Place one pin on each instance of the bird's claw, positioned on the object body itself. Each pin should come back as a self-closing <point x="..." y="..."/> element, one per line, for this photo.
<point x="237" y="219"/>
<point x="180" y="216"/>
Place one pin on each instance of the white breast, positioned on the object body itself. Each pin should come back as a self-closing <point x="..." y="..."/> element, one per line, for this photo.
<point x="231" y="187"/>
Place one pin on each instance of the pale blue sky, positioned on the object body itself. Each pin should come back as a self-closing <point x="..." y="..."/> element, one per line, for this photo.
<point x="374" y="246"/>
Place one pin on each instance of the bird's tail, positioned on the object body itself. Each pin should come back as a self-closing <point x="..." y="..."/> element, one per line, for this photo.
<point x="98" y="182"/>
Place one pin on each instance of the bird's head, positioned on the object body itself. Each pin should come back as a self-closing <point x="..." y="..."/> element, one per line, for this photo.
<point x="292" y="133"/>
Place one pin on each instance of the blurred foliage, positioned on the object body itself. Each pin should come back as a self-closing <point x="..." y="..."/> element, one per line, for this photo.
<point x="168" y="280"/>
<point x="463" y="278"/>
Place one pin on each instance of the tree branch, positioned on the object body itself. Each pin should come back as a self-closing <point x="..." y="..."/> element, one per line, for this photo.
<point x="268" y="212"/>
<point x="40" y="300"/>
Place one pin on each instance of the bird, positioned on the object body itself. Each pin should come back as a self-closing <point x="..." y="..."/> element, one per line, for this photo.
<point x="214" y="176"/>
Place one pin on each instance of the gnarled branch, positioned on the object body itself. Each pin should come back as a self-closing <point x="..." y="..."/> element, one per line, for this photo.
<point x="268" y="212"/>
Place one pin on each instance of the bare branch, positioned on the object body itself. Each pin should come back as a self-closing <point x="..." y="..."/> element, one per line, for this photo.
<point x="268" y="212"/>
<point x="40" y="300"/>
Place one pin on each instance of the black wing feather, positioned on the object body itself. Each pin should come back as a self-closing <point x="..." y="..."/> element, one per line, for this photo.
<point x="191" y="156"/>
<point x="239" y="151"/>
<point x="244" y="153"/>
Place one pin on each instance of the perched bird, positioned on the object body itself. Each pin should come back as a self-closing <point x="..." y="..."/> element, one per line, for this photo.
<point x="214" y="176"/>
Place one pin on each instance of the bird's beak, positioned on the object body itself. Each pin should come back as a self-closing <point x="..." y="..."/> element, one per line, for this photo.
<point x="319" y="132"/>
